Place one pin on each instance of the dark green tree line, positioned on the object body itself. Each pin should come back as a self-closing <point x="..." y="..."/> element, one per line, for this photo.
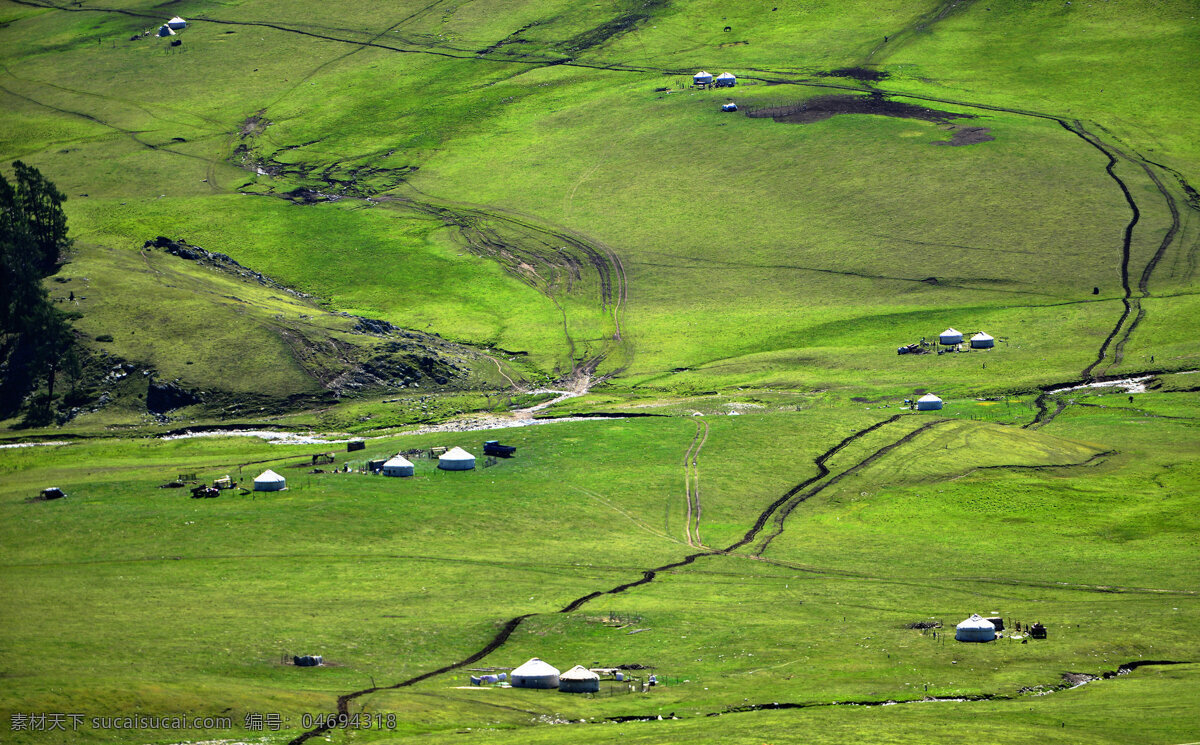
<point x="36" y="340"/>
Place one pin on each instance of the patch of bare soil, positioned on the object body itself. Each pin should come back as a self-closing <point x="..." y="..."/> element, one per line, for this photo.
<point x="856" y="73"/>
<point x="823" y="107"/>
<point x="967" y="136"/>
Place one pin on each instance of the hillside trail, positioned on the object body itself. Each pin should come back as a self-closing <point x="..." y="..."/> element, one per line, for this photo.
<point x="648" y="576"/>
<point x="691" y="485"/>
<point x="787" y="501"/>
<point x="1132" y="314"/>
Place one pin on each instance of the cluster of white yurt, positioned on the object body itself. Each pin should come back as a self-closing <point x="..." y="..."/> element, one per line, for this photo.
<point x="397" y="465"/>
<point x="579" y="680"/>
<point x="268" y="480"/>
<point x="929" y="402"/>
<point x="170" y="27"/>
<point x="535" y="674"/>
<point x="950" y="336"/>
<point x="982" y="341"/>
<point x="724" y="80"/>
<point x="975" y="629"/>
<point x="457" y="459"/>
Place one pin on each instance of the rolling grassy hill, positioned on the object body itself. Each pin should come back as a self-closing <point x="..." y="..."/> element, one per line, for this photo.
<point x="533" y="196"/>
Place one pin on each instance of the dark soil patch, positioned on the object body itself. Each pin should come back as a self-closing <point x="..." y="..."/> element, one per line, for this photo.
<point x="856" y="73"/>
<point x="967" y="136"/>
<point x="823" y="107"/>
<point x="923" y="625"/>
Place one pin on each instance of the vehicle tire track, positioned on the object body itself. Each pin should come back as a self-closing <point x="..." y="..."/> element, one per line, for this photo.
<point x="822" y="472"/>
<point x="343" y="702"/>
<point x="691" y="485"/>
<point x="648" y="576"/>
<point x="1077" y="129"/>
<point x="782" y="515"/>
<point x="899" y="38"/>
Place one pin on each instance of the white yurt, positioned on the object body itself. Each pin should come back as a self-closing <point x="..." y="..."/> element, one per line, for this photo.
<point x="929" y="402"/>
<point x="982" y="341"/>
<point x="177" y="23"/>
<point x="457" y="459"/>
<point x="579" y="680"/>
<point x="975" y="629"/>
<point x="726" y="80"/>
<point x="535" y="674"/>
<point x="165" y="30"/>
<point x="398" y="465"/>
<point x="702" y="78"/>
<point x="950" y="336"/>
<point x="268" y="480"/>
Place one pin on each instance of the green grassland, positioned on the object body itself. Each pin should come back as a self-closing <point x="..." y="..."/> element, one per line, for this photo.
<point x="537" y="198"/>
<point x="827" y="235"/>
<point x="388" y="578"/>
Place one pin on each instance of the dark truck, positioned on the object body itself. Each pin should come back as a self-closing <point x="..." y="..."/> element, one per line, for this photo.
<point x="493" y="447"/>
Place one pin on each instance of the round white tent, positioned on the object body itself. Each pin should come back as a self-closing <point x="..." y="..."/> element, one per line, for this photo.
<point x="165" y="30"/>
<point x="975" y="629"/>
<point x="457" y="460"/>
<point x="398" y="465"/>
<point x="268" y="480"/>
<point x="726" y="80"/>
<point x="177" y="23"/>
<point x="702" y="78"/>
<point x="579" y="680"/>
<point x="535" y="674"/>
<point x="929" y="402"/>
<point x="950" y="336"/>
<point x="982" y="341"/>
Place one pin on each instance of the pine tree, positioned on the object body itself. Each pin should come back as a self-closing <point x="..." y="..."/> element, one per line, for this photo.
<point x="36" y="340"/>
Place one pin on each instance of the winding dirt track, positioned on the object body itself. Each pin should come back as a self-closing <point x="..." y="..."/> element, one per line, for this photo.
<point x="691" y="484"/>
<point x="782" y="514"/>
<point x="648" y="576"/>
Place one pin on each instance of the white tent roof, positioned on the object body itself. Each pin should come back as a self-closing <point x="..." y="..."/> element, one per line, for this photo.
<point x="702" y="74"/>
<point x="397" y="460"/>
<point x="950" y="332"/>
<point x="725" y="76"/>
<point x="268" y="477"/>
<point x="535" y="667"/>
<point x="929" y="397"/>
<point x="175" y="20"/>
<point x="579" y="672"/>
<point x="982" y="337"/>
<point x="458" y="454"/>
<point x="976" y="621"/>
